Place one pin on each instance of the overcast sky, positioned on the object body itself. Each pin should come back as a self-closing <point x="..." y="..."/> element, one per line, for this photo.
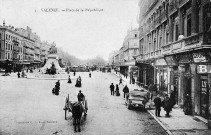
<point x="83" y="34"/>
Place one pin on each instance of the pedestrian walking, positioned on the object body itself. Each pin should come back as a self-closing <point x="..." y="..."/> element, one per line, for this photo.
<point x="125" y="90"/>
<point x="158" y="105"/>
<point x="112" y="88"/>
<point x="69" y="80"/>
<point x="19" y="74"/>
<point x="90" y="74"/>
<point x="120" y="81"/>
<point x="74" y="73"/>
<point x="117" y="90"/>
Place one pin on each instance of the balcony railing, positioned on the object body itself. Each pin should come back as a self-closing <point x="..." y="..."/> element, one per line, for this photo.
<point x="192" y="39"/>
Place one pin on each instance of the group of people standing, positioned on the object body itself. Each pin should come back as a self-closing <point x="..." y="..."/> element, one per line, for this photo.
<point x="21" y="74"/>
<point x="167" y="103"/>
<point x="116" y="91"/>
<point x="112" y="87"/>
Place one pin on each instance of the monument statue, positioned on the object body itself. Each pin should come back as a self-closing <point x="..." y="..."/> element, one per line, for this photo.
<point x="53" y="49"/>
<point x="52" y="65"/>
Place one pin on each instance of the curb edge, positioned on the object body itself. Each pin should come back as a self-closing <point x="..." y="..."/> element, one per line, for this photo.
<point x="167" y="131"/>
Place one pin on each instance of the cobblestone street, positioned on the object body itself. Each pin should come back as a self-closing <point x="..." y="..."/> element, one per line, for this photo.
<point x="27" y="106"/>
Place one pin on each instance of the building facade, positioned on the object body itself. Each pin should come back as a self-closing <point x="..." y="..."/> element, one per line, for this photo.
<point x="175" y="46"/>
<point x="21" y="48"/>
<point x="123" y="59"/>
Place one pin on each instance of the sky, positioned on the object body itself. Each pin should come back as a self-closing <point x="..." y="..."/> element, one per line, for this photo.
<point x="79" y="31"/>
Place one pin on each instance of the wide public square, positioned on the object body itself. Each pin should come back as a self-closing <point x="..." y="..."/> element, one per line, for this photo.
<point x="28" y="107"/>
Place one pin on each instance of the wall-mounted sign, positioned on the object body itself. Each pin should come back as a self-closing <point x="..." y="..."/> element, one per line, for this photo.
<point x="201" y="69"/>
<point x="199" y="57"/>
<point x="171" y="61"/>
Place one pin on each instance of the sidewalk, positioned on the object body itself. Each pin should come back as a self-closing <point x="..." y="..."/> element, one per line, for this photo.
<point x="178" y="123"/>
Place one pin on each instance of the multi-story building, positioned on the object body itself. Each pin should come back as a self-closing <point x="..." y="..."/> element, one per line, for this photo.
<point x="45" y="46"/>
<point x="11" y="46"/>
<point x="124" y="60"/>
<point x="28" y="45"/>
<point x="111" y="58"/>
<point x="21" y="47"/>
<point x="175" y="46"/>
<point x="37" y="48"/>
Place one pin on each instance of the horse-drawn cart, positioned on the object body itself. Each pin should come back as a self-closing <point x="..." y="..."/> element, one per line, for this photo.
<point x="78" y="109"/>
<point x="70" y="106"/>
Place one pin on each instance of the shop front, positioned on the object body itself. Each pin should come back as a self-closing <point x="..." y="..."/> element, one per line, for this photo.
<point x="173" y="74"/>
<point x="145" y="73"/>
<point x="161" y="74"/>
<point x="204" y="72"/>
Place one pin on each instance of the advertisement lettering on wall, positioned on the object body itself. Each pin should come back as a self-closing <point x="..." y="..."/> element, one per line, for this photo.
<point x="202" y="69"/>
<point x="199" y="57"/>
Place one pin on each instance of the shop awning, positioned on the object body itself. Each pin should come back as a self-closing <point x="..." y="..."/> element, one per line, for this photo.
<point x="160" y="62"/>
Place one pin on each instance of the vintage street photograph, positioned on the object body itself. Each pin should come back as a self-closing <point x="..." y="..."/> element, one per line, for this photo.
<point x="105" y="67"/>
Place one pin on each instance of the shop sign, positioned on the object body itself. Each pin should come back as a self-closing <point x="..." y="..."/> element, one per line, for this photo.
<point x="203" y="69"/>
<point x="199" y="57"/>
<point x="171" y="61"/>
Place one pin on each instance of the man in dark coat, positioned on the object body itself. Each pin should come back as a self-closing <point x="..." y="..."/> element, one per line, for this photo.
<point x="112" y="88"/>
<point x="125" y="90"/>
<point x="80" y="96"/>
<point x="167" y="105"/>
<point x="158" y="104"/>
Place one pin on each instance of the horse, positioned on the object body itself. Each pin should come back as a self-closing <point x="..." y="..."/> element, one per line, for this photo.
<point x="78" y="109"/>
